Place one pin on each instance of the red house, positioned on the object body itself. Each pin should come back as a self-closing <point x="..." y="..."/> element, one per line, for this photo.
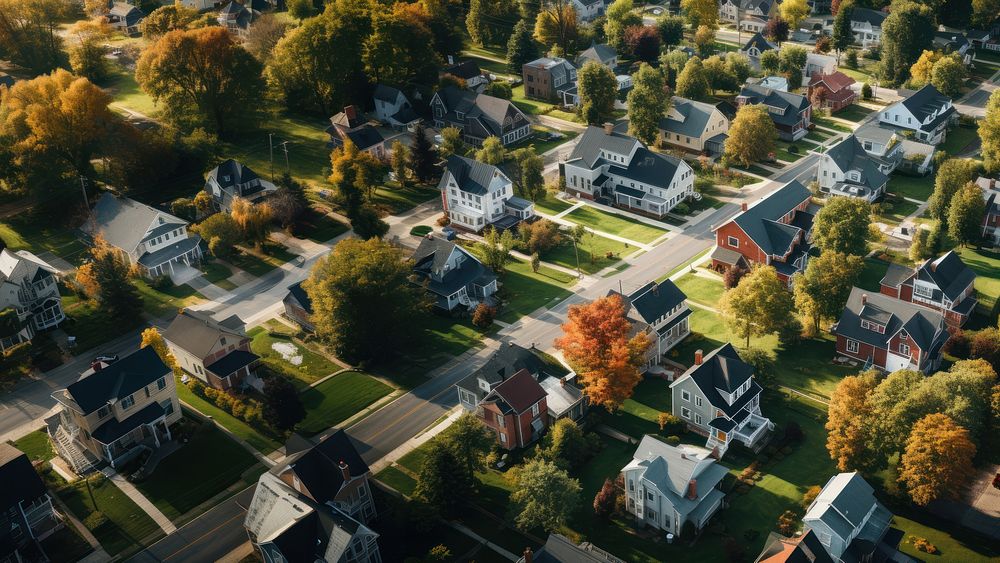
<point x="776" y="230"/>
<point x="834" y="88"/>
<point x="516" y="410"/>
<point x="945" y="285"/>
<point x="889" y="334"/>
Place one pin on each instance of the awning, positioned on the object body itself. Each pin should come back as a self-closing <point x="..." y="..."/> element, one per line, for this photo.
<point x="727" y="256"/>
<point x="537" y="425"/>
<point x="232" y="362"/>
<point x="113" y="429"/>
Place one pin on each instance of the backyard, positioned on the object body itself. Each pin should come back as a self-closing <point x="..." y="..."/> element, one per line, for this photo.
<point x="986" y="264"/>
<point x="339" y="398"/>
<point x="959" y="139"/>
<point x="264" y="443"/>
<point x="913" y="187"/>
<point x="284" y="355"/>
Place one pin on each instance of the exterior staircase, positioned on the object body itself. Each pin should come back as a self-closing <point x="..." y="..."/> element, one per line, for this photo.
<point x="66" y="445"/>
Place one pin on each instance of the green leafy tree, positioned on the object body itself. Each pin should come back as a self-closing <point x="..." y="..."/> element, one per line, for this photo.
<point x="106" y="278"/>
<point x="984" y="12"/>
<point x="86" y="57"/>
<point x="364" y="304"/>
<point x="471" y="441"/>
<point x="718" y="74"/>
<point x="759" y="305"/>
<point x="400" y="49"/>
<point x="221" y="233"/>
<point x="692" y="82"/>
<point x="422" y="157"/>
<point x="28" y="33"/>
<point x="442" y="481"/>
<point x="521" y="47"/>
<point x="965" y="216"/>
<point x="822" y="290"/>
<point x="891" y="414"/>
<point x="492" y="151"/>
<point x="844" y="225"/>
<point x="937" y="462"/>
<point x="738" y="66"/>
<point x="531" y="183"/>
<point x="282" y="405"/>
<point x="752" y="135"/>
<point x="496" y="248"/>
<point x="989" y="133"/>
<point x="793" y="61"/>
<point x="451" y="142"/>
<point x="647" y="102"/>
<point x="907" y="30"/>
<point x="556" y="26"/>
<point x="704" y="40"/>
<point x="167" y="18"/>
<point x="920" y="247"/>
<point x="671" y="28"/>
<point x="566" y="445"/>
<point x="598" y="89"/>
<point x="951" y="176"/>
<point x="544" y="496"/>
<point x="763" y="366"/>
<point x="300" y="9"/>
<point x="620" y="16"/>
<point x="399" y="160"/>
<point x="489" y="22"/>
<point x="700" y="12"/>
<point x="949" y="75"/>
<point x="770" y="62"/>
<point x="367" y="223"/>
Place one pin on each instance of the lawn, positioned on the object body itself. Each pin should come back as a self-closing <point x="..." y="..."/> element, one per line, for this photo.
<point x="538" y="107"/>
<point x="289" y="357"/>
<point x="66" y="545"/>
<point x="913" y="187"/>
<point x="854" y="113"/>
<point x="830" y="124"/>
<point x="319" y="227"/>
<point x="126" y="93"/>
<point x="785" y="153"/>
<point x="818" y="135"/>
<point x="986" y="264"/>
<point x="899" y="211"/>
<point x="208" y="464"/>
<point x="308" y="155"/>
<point x="36" y="446"/>
<point x="393" y="198"/>
<point x="339" y="398"/>
<point x="860" y="74"/>
<point x="685" y="265"/>
<point x="218" y="274"/>
<point x="397" y="479"/>
<point x="593" y="252"/>
<point x="872" y="274"/>
<point x="38" y="234"/>
<point x="701" y="289"/>
<point x="165" y="303"/>
<point x="260" y="262"/>
<point x="126" y="528"/>
<point x="263" y="443"/>
<point x="958" y="139"/>
<point x="489" y="64"/>
<point x="542" y="147"/>
<point x="950" y="548"/>
<point x="612" y="223"/>
<point x="527" y="290"/>
<point x="551" y="205"/>
<point x="90" y="323"/>
<point x="987" y="55"/>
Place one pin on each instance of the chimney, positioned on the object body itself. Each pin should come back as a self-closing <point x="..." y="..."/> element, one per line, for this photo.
<point x="350" y="112"/>
<point x="562" y="382"/>
<point x="609" y="128"/>
<point x="692" y="492"/>
<point x="97" y="365"/>
<point x="864" y="298"/>
<point x="528" y="555"/>
<point x="698" y="355"/>
<point x="743" y="206"/>
<point x="346" y="470"/>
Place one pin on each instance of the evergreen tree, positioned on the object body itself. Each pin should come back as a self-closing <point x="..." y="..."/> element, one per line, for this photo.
<point x="521" y="47"/>
<point x="422" y="157"/>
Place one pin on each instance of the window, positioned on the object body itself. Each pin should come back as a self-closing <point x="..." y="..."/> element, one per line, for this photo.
<point x="852" y="346"/>
<point x="102" y="413"/>
<point x="534" y="409"/>
<point x="503" y="438"/>
<point x="127" y="402"/>
<point x="923" y="291"/>
<point x="733" y="242"/>
<point x="161" y="383"/>
<point x="686" y="395"/>
<point x="697" y="400"/>
<point x="649" y="495"/>
<point x="686" y="412"/>
<point x="631" y="485"/>
<point x="904" y="349"/>
<point x="697" y="418"/>
<point x="500" y="421"/>
<point x="168" y="408"/>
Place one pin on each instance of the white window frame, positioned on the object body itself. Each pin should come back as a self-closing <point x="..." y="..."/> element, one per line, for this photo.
<point x="685" y="395"/>
<point x="698" y="401"/>
<point x="853" y="346"/>
<point x="733" y="241"/>
<point x="686" y="413"/>
<point x="904" y="349"/>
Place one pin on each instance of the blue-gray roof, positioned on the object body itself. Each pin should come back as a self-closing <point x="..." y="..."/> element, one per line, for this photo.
<point x="589" y="146"/>
<point x="693" y="120"/>
<point x="925" y="327"/>
<point x="849" y="155"/>
<point x="472" y="176"/>
<point x="118" y="380"/>
<point x="760" y="222"/>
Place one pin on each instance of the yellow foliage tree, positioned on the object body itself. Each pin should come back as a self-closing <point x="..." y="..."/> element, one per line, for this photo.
<point x="152" y="337"/>
<point x="920" y="72"/>
<point x="253" y="220"/>
<point x="938" y="459"/>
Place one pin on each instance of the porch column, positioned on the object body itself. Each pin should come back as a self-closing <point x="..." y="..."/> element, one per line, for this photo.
<point x="152" y="428"/>
<point x="107" y="452"/>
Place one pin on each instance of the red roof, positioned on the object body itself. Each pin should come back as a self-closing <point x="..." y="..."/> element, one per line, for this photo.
<point x="520" y="391"/>
<point x="834" y="82"/>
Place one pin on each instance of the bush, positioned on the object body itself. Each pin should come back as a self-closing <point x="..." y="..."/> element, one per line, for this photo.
<point x="851" y="60"/>
<point x="731" y="278"/>
<point x="682" y="208"/>
<point x="670" y="424"/>
<point x="483" y="315"/>
<point x="95" y="519"/>
<point x="921" y="544"/>
<point x="810" y="495"/>
<point x="443" y="220"/>
<point x="421" y="230"/>
<point x="673" y="440"/>
<point x="161" y="283"/>
<point x="794" y="149"/>
<point x="959" y="345"/>
<point x="788" y="523"/>
<point x="793" y="432"/>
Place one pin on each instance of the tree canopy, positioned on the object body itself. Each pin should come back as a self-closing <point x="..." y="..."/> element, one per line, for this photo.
<point x="759" y="305"/>
<point x="752" y="135"/>
<point x="647" y="103"/>
<point x="937" y="462"/>
<point x="905" y="32"/>
<point x="544" y="496"/>
<point x="822" y="290"/>
<point x="989" y="133"/>
<point x="692" y="82"/>
<point x="598" y="88"/>
<point x="844" y="225"/>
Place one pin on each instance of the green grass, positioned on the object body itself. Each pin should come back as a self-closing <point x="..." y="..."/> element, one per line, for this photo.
<point x="830" y="124"/>
<point x="593" y="251"/>
<point x="872" y="274"/>
<point x="436" y="340"/>
<point x="958" y="138"/>
<point x="308" y="155"/>
<point x="860" y="74"/>
<point x="397" y="479"/>
<point x="986" y="264"/>
<point x="950" y="548"/>
<point x="127" y="528"/>
<point x="685" y="265"/>
<point x="538" y="107"/>
<point x="313" y="366"/>
<point x="527" y="290"/>
<point x="393" y="198"/>
<point x="167" y="302"/>
<point x="126" y="93"/>
<point x="818" y="136"/>
<point x="784" y="152"/>
<point x="550" y="205"/>
<point x="986" y="54"/>
<point x="900" y="210"/>
<point x="261" y="442"/>
<point x="542" y="147"/>
<point x="208" y="464"/>
<point x="612" y="223"/>
<point x="38" y="234"/>
<point x="854" y="113"/>
<point x="218" y="274"/>
<point x="90" y="324"/>
<point x="913" y="187"/>
<point x="339" y="398"/>
<point x="259" y="263"/>
<point x="36" y="446"/>
<point x="66" y="545"/>
<point x="319" y="227"/>
<point x="701" y="289"/>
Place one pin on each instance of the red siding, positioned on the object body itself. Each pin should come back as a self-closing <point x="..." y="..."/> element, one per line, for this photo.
<point x="517" y="427"/>
<point x="890" y="291"/>
<point x="896" y="340"/>
<point x="747" y="247"/>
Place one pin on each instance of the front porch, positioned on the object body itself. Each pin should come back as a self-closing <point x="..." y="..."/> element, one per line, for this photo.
<point x="751" y="432"/>
<point x="632" y="198"/>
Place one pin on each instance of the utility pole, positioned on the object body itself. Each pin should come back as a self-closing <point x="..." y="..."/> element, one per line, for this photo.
<point x="270" y="146"/>
<point x="83" y="187"/>
<point x="284" y="145"/>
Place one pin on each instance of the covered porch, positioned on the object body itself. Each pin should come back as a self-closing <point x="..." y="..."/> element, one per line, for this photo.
<point x="746" y="428"/>
<point x="120" y="441"/>
<point x="638" y="199"/>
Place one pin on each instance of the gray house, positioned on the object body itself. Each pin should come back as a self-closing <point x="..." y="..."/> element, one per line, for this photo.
<point x="231" y="180"/>
<point x="125" y="17"/>
<point x="846" y="169"/>
<point x="560" y="549"/>
<point x="719" y="398"/>
<point x="26" y="513"/>
<point x="599" y="53"/>
<point x="394" y="108"/>
<point x="479" y="116"/>
<point x="667" y="486"/>
<point x="660" y="310"/>
<point x="452" y="275"/>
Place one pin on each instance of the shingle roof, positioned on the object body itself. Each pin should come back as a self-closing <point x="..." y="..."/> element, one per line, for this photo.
<point x="895" y="275"/>
<point x="949" y="273"/>
<point x="843" y="504"/>
<point x="300" y="295"/>
<point x="723" y="370"/>
<point x="488" y="113"/>
<point x="364" y="137"/>
<point x="597" y="52"/>
<point x="318" y="468"/>
<point x="866" y="15"/>
<point x="509" y="359"/>
<point x="792" y="104"/>
<point x="118" y="380"/>
<point x="518" y="392"/>
<point x="654" y="300"/>
<point x="803" y="549"/>
<point x="21" y="482"/>
<point x="237" y="359"/>
<point x="760" y="221"/>
<point x="464" y="70"/>
<point x="472" y="176"/>
<point x="687" y="117"/>
<point x="197" y="332"/>
<point x="672" y="468"/>
<point x="594" y="140"/>
<point x="924" y="326"/>
<point x="560" y="549"/>
<point x="834" y="82"/>
<point x="124" y="222"/>
<point x="650" y="167"/>
<point x="431" y="257"/>
<point x="849" y="155"/>
<point x="760" y="42"/>
<point x="114" y="429"/>
<point x="924" y="102"/>
<point x="386" y="93"/>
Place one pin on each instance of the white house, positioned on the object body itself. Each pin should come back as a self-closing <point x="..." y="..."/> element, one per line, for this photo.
<point x="818" y="63"/>
<point x="477" y="195"/>
<point x="694" y="126"/>
<point x="850" y="522"/>
<point x="28" y="287"/>
<point x="866" y="25"/>
<point x="751" y="15"/>
<point x="667" y="486"/>
<point x="608" y="165"/>
<point x="846" y="169"/>
<point x="660" y="310"/>
<point x="892" y="150"/>
<point x="587" y="10"/>
<point x="755" y="47"/>
<point x="926" y="112"/>
<point x="393" y="107"/>
<point x="452" y="275"/>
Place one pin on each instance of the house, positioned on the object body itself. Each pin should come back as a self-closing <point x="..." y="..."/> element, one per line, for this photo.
<point x="154" y="241"/>
<point x="115" y="411"/>
<point x="393" y="107"/>
<point x="833" y="90"/>
<point x="777" y="230"/>
<point x="315" y="506"/>
<point x="564" y="399"/>
<point x="982" y="39"/>
<point x="469" y="72"/>
<point x="611" y="166"/>
<point x="29" y="290"/>
<point x="476" y="195"/>
<point x="851" y="524"/>
<point x="718" y="397"/>
<point x="866" y="25"/>
<point x="846" y="169"/>
<point x="893" y="151"/>
<point x="668" y="486"/>
<point x="791" y="113"/>
<point x="515" y="410"/>
<point x="452" y="275"/>
<point x="600" y="53"/>
<point x="26" y="512"/>
<point x="560" y="549"/>
<point x="991" y="220"/>
<point x="818" y="63"/>
<point x="953" y="42"/>
<point x="298" y="307"/>
<point x="215" y="352"/>
<point x="548" y="79"/>
<point x="694" y="126"/>
<point x="237" y="18"/>
<point x="231" y="180"/>
<point x="926" y="113"/>
<point x="350" y="124"/>
<point x="751" y="15"/>
<point x="199" y="5"/>
<point x="890" y="334"/>
<point x="944" y="284"/>
<point x="660" y="310"/>
<point x="587" y="10"/>
<point x="819" y="6"/>
<point x="125" y="17"/>
<point x="755" y="47"/>
<point x="805" y="548"/>
<point x="7" y="80"/>
<point x="479" y="116"/>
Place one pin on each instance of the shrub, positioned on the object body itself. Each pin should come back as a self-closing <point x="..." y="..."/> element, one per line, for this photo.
<point x="788" y="523"/>
<point x="160" y="283"/>
<point x="483" y="315"/>
<point x="793" y="432"/>
<point x="673" y="440"/>
<point x="794" y="149"/>
<point x="731" y="278"/>
<point x="866" y="91"/>
<point x="959" y="345"/>
<point x="95" y="520"/>
<point x="810" y="495"/>
<point x="682" y="208"/>
<point x="669" y="423"/>
<point x="443" y="220"/>
<point x="851" y="60"/>
<point x="921" y="544"/>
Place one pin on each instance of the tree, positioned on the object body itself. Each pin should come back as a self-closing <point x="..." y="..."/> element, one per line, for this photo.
<point x="496" y="248"/>
<point x="598" y="89"/>
<point x="989" y="133"/>
<point x="794" y="11"/>
<point x="671" y="28"/>
<point x="776" y="29"/>
<point x="985" y="345"/>
<point x="86" y="57"/>
<point x="920" y="72"/>
<point x="762" y="363"/>
<point x="984" y="12"/>
<point x="286" y="209"/>
<point x="843" y="37"/>
<point x="400" y="49"/>
<point x="544" y="496"/>
<point x="761" y="304"/>
<point x="282" y="406"/>
<point x="647" y="102"/>
<point x="364" y="304"/>
<point x="565" y="445"/>
<point x="692" y="82"/>
<point x="920" y="248"/>
<point x="451" y="142"/>
<point x="202" y="76"/>
<point x="793" y="61"/>
<point x="106" y="278"/>
<point x="822" y="290"/>
<point x="965" y="217"/>
<point x="823" y="44"/>
<point x="620" y="16"/>
<point x="167" y="18"/>
<point x="152" y="337"/>
<point x="752" y="135"/>
<point x="422" y="157"/>
<point x="252" y="219"/>
<point x="355" y="174"/>
<point x="540" y="236"/>
<point x="596" y="342"/>
<point x="844" y="225"/>
<point x="556" y="26"/>
<point x="905" y="32"/>
<point x="643" y="42"/>
<point x="400" y="160"/>
<point x="949" y="75"/>
<point x="937" y="461"/>
<point x="492" y="151"/>
<point x="718" y="74"/>
<point x="263" y="37"/>
<point x="521" y="47"/>
<point x="700" y="12"/>
<point x="733" y="275"/>
<point x="444" y="19"/>
<point x="300" y="9"/>
<point x="221" y="233"/>
<point x="367" y="223"/>
<point x="605" y="499"/>
<point x="847" y="422"/>
<point x="770" y="61"/>
<point x="951" y="176"/>
<point x="471" y="441"/>
<point x="489" y="22"/>
<point x="442" y="481"/>
<point x="704" y="39"/>
<point x="532" y="183"/>
<point x="28" y="33"/>
<point x="738" y="66"/>
<point x="891" y="415"/>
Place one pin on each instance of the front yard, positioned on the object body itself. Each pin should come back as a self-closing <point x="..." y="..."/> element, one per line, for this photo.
<point x="263" y="443"/>
<point x="612" y="223"/>
<point x="913" y="187"/>
<point x="853" y="112"/>
<point x="260" y="262"/>
<point x="701" y="288"/>
<point x="526" y="291"/>
<point x="339" y="398"/>
<point x="166" y="302"/>
<point x="551" y="205"/>
<point x="594" y="252"/>
<point x="117" y="522"/>
<point x="436" y="340"/>
<point x="986" y="264"/>
<point x="287" y="356"/>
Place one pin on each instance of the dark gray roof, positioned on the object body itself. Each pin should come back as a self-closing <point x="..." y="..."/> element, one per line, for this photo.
<point x="128" y="13"/>
<point x="653" y="300"/>
<point x="484" y="114"/>
<point x="386" y="93"/>
<point x="197" y="332"/>
<point x="650" y="168"/>
<point x="509" y="359"/>
<point x="429" y="261"/>
<point x="560" y="549"/>
<point x="364" y="137"/>
<point x="843" y="504"/>
<point x="760" y="222"/>
<point x="792" y="104"/>
<point x="168" y="253"/>
<point x="318" y="468"/>
<point x="472" y="176"/>
<point x="597" y="52"/>
<point x="872" y="17"/>
<point x="464" y="70"/>
<point x="849" y="155"/>
<point x="556" y="67"/>
<point x="237" y="359"/>
<point x="760" y="42"/>
<point x="950" y="40"/>
<point x="236" y="180"/>
<point x="949" y="273"/>
<point x="763" y="5"/>
<point x="896" y="274"/>
<point x="924" y="102"/>
<point x="123" y="222"/>
<point x="594" y="140"/>
<point x="21" y="482"/>
<point x="723" y="370"/>
<point x="299" y="294"/>
<point x="118" y="380"/>
<point x="693" y="118"/>
<point x="925" y="327"/>
<point x="113" y="429"/>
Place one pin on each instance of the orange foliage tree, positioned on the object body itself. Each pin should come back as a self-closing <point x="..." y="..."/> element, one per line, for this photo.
<point x="596" y="342"/>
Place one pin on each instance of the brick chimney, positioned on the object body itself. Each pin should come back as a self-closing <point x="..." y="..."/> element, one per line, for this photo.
<point x="609" y="128"/>
<point x="698" y="355"/>
<point x="97" y="366"/>
<point x="864" y="298"/>
<point x="350" y="112"/>
<point x="346" y="470"/>
<point x="562" y="382"/>
<point x="528" y="555"/>
<point x="692" y="492"/>
<point x="744" y="206"/>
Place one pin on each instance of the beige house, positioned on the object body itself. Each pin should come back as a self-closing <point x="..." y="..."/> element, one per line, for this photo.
<point x="215" y="352"/>
<point x="115" y="411"/>
<point x="694" y="126"/>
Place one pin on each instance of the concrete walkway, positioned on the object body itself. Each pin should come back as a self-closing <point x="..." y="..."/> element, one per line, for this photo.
<point x="482" y="540"/>
<point x="416" y="442"/>
<point x="211" y="291"/>
<point x="140" y="499"/>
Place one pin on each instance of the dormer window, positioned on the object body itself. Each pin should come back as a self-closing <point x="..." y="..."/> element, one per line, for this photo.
<point x="483" y="384"/>
<point x="875" y="327"/>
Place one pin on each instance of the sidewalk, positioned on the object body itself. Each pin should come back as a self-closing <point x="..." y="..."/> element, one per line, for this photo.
<point x="415" y="442"/>
<point x="140" y="499"/>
